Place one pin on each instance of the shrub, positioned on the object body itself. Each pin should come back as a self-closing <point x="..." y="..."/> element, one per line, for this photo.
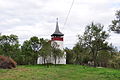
<point x="7" y="62"/>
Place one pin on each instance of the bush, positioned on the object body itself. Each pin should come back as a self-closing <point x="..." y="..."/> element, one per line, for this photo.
<point x="7" y="62"/>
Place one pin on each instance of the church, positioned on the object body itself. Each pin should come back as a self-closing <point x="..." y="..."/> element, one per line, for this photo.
<point x="57" y="37"/>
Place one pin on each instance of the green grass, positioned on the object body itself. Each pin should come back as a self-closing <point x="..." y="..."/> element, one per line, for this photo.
<point x="60" y="72"/>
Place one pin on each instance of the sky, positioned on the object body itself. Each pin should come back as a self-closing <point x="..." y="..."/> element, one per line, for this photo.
<point x="27" y="18"/>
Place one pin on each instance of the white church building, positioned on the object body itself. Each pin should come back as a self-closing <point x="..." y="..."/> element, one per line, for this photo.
<point x="57" y="37"/>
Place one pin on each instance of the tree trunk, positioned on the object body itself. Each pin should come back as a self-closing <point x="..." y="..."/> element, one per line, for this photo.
<point x="47" y="64"/>
<point x="55" y="61"/>
<point x="44" y="60"/>
<point x="95" y="61"/>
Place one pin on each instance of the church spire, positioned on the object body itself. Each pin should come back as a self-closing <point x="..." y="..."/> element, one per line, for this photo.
<point x="57" y="27"/>
<point x="57" y="31"/>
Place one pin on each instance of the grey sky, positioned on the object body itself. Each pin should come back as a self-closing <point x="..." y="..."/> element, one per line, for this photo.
<point x="27" y="18"/>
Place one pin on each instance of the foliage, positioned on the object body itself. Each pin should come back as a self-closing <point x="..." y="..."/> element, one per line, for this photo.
<point x="79" y="51"/>
<point x="69" y="56"/>
<point x="30" y="50"/>
<point x="56" y="52"/>
<point x="26" y="53"/>
<point x="92" y="48"/>
<point x="95" y="40"/>
<point x="9" y="45"/>
<point x="115" y="26"/>
<point x="115" y="61"/>
<point x="45" y="51"/>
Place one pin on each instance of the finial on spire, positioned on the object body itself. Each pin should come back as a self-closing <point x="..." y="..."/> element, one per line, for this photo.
<point x="56" y="19"/>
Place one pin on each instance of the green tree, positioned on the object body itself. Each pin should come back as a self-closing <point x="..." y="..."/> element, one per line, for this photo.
<point x="56" y="52"/>
<point x="45" y="51"/>
<point x="69" y="56"/>
<point x="30" y="50"/>
<point x="95" y="40"/>
<point x="36" y="45"/>
<point x="9" y="45"/>
<point x="115" y="26"/>
<point x="81" y="52"/>
<point x="78" y="50"/>
<point x="26" y="55"/>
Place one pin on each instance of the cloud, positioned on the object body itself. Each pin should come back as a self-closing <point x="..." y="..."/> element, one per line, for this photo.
<point x="26" y="18"/>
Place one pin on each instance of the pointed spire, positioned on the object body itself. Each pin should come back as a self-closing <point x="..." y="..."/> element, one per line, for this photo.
<point x="57" y="27"/>
<point x="57" y="23"/>
<point x="57" y="31"/>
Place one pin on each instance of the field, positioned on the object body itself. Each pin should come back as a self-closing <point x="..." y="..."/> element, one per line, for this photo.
<point x="60" y="72"/>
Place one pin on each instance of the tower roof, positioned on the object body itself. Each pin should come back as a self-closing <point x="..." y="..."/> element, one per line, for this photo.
<point x="57" y="31"/>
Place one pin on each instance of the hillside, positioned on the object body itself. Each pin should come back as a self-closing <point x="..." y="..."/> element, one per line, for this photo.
<point x="60" y="72"/>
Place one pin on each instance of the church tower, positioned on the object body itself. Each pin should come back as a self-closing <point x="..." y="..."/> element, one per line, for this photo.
<point x="58" y="37"/>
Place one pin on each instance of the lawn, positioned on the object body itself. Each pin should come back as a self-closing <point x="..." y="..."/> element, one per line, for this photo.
<point x="60" y="72"/>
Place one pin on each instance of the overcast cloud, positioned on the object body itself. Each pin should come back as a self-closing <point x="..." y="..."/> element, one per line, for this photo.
<point x="27" y="18"/>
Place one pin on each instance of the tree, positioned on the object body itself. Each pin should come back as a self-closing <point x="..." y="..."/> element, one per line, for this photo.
<point x="26" y="55"/>
<point x="78" y="50"/>
<point x="9" y="45"/>
<point x="69" y="56"/>
<point x="30" y="50"/>
<point x="56" y="52"/>
<point x="36" y="46"/>
<point x="95" y="40"/>
<point x="115" y="26"/>
<point x="45" y="51"/>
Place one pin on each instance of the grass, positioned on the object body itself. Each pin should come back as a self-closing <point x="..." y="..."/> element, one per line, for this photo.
<point x="60" y="72"/>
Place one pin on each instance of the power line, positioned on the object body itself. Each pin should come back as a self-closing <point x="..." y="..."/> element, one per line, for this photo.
<point x="68" y="13"/>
